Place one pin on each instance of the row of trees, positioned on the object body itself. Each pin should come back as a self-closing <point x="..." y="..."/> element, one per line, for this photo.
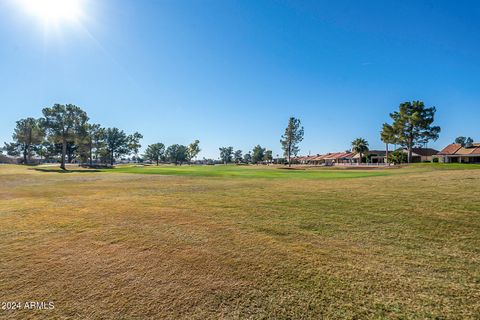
<point x="64" y="131"/>
<point x="175" y="153"/>
<point x="257" y="155"/>
<point x="289" y="141"/>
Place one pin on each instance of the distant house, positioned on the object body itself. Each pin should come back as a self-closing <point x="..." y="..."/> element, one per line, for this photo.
<point x="340" y="158"/>
<point x="421" y="154"/>
<point x="456" y="153"/>
<point x="303" y="159"/>
<point x="9" y="159"/>
<point x="328" y="159"/>
<point x="314" y="160"/>
<point x="374" y="156"/>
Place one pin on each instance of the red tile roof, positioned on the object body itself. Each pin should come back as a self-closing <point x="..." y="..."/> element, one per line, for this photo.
<point x="320" y="157"/>
<point x="329" y="156"/>
<point x="456" y="149"/>
<point x="466" y="151"/>
<point x="450" y="149"/>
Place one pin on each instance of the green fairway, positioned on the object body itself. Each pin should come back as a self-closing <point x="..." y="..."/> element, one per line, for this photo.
<point x="254" y="171"/>
<point x="446" y="166"/>
<point x="205" y="243"/>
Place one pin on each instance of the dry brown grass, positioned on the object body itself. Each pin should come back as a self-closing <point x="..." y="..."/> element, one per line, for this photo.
<point x="130" y="246"/>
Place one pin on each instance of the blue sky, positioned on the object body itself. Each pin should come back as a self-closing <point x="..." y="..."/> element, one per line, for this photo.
<point x="232" y="72"/>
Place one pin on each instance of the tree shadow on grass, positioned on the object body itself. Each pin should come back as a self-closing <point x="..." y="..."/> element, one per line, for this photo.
<point x="58" y="170"/>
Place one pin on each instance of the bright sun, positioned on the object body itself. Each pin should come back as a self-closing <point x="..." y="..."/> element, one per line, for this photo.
<point x="54" y="11"/>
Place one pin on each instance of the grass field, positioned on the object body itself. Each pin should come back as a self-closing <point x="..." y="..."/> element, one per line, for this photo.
<point x="241" y="242"/>
<point x="234" y="171"/>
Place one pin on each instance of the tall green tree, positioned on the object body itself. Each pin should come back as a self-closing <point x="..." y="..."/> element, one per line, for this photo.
<point x="247" y="158"/>
<point x="388" y="136"/>
<point x="460" y="140"/>
<point x="87" y="141"/>
<point x="237" y="156"/>
<point x="134" y="143"/>
<point x="464" y="141"/>
<point x="360" y="146"/>
<point x="177" y="153"/>
<point x="413" y="125"/>
<point x="226" y="154"/>
<point x="258" y="153"/>
<point x="12" y="149"/>
<point x="100" y="152"/>
<point x="28" y="134"/>
<point x="63" y="123"/>
<point x="155" y="152"/>
<point x="291" y="138"/>
<point x="194" y="149"/>
<point x="468" y="142"/>
<point x="117" y="144"/>
<point x="46" y="150"/>
<point x="268" y="156"/>
<point x="72" y="149"/>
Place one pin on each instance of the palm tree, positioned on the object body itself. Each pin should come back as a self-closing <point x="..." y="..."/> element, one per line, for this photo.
<point x="360" y="146"/>
<point x="388" y="136"/>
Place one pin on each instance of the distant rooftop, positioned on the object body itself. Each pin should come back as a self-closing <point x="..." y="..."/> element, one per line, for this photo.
<point x="457" y="149"/>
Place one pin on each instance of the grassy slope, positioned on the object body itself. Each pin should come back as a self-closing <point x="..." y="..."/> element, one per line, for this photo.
<point x="133" y="246"/>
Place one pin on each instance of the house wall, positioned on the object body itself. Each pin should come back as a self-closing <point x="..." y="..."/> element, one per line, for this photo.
<point x="457" y="159"/>
<point x="471" y="159"/>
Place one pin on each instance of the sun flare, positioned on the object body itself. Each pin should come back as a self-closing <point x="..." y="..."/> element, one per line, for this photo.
<point x="54" y="11"/>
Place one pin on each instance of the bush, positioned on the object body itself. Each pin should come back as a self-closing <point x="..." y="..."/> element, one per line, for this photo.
<point x="5" y="159"/>
<point x="397" y="157"/>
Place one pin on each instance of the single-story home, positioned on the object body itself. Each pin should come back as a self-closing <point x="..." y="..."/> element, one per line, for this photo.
<point x="421" y="154"/>
<point x="456" y="153"/>
<point x="339" y="158"/>
<point x="302" y="159"/>
<point x="327" y="159"/>
<point x="316" y="160"/>
<point x="375" y="156"/>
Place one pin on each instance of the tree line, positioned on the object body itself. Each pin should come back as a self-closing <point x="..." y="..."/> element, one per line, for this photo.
<point x="257" y="155"/>
<point x="176" y="153"/>
<point x="289" y="141"/>
<point x="65" y="132"/>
